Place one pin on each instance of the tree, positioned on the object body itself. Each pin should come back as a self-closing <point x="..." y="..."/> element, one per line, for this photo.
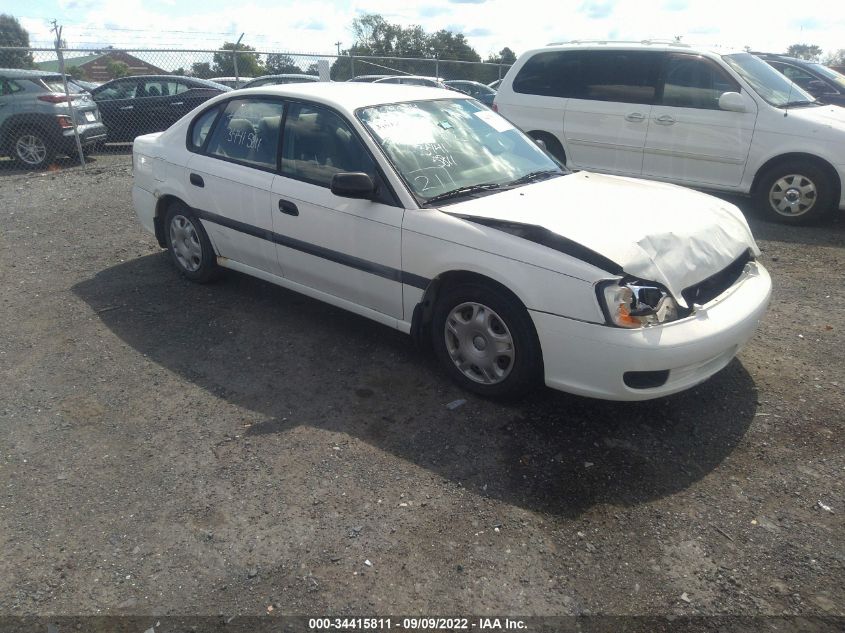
<point x="117" y="69"/>
<point x="505" y="56"/>
<point x="810" y="52"/>
<point x="249" y="63"/>
<point x="179" y="71"/>
<point x="202" y="70"/>
<point x="13" y="34"/>
<point x="281" y="64"/>
<point x="836" y="59"/>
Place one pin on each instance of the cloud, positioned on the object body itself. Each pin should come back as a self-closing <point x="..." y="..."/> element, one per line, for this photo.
<point x="430" y="12"/>
<point x="676" y="5"/>
<point x="597" y="9"/>
<point x="311" y="25"/>
<point x="467" y="1"/>
<point x="478" y="32"/>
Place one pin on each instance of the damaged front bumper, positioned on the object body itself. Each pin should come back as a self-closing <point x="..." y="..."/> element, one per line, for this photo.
<point x="638" y="364"/>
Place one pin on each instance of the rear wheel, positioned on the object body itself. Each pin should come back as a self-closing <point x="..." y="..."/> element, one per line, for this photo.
<point x="30" y="149"/>
<point x="795" y="193"/>
<point x="189" y="246"/>
<point x="486" y="341"/>
<point x="552" y="145"/>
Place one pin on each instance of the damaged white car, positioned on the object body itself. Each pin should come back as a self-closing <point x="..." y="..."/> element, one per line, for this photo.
<point x="427" y="212"/>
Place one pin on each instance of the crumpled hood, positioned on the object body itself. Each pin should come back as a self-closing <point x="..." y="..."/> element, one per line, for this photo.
<point x="654" y="231"/>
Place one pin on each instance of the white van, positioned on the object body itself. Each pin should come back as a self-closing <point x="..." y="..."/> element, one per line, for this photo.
<point x="691" y="116"/>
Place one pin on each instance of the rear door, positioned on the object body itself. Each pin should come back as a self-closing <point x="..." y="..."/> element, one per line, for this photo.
<point x="690" y="139"/>
<point x="230" y="177"/>
<point x="607" y="117"/>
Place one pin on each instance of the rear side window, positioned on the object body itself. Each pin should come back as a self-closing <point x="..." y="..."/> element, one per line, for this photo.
<point x="621" y="76"/>
<point x="201" y="127"/>
<point x="694" y="82"/>
<point x="551" y="74"/>
<point x="248" y="132"/>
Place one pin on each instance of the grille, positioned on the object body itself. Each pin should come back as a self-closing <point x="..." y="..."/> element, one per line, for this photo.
<point x="707" y="290"/>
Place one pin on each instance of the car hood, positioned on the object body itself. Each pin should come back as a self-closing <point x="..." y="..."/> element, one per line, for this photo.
<point x="654" y="231"/>
<point x="825" y="115"/>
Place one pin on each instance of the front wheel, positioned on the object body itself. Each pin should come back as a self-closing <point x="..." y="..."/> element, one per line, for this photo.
<point x="486" y="341"/>
<point x="31" y="150"/>
<point x="795" y="193"/>
<point x="189" y="246"/>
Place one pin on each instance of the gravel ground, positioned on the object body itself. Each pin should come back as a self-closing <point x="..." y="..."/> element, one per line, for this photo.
<point x="237" y="448"/>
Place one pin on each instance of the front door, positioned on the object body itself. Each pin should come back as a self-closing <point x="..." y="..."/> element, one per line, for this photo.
<point x="690" y="139"/>
<point x="344" y="247"/>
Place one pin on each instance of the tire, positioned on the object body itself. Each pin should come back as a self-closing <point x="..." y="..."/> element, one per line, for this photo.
<point x="30" y="149"/>
<point x="795" y="193"/>
<point x="553" y="145"/>
<point x="470" y="317"/>
<point x="189" y="246"/>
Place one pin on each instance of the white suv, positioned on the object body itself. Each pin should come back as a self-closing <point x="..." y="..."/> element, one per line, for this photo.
<point x="696" y="117"/>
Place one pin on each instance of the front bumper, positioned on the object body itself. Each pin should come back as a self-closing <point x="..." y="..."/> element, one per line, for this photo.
<point x="591" y="360"/>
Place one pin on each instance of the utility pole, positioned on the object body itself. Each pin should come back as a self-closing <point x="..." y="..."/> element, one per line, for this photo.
<point x="235" y="60"/>
<point x="60" y="55"/>
<point x="338" y="47"/>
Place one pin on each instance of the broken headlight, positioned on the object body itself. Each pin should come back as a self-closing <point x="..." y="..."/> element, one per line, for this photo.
<point x="634" y="304"/>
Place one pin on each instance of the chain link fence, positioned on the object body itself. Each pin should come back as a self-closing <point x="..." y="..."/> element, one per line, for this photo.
<point x="61" y="107"/>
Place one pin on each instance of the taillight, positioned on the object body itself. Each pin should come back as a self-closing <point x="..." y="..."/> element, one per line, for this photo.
<point x="495" y="107"/>
<point x="64" y="121"/>
<point x="55" y="98"/>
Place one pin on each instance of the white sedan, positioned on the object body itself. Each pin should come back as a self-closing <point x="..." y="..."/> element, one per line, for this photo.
<point x="424" y="210"/>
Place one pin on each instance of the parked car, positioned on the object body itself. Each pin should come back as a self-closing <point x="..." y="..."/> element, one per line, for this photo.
<point x="426" y="211"/>
<point x="88" y="86"/>
<point x="137" y="105"/>
<point x="231" y="82"/>
<point x="35" y="117"/>
<point x="495" y="84"/>
<point x="370" y="78"/>
<point x="692" y="116"/>
<point x="412" y="80"/>
<point x="825" y="84"/>
<point x="278" y="80"/>
<point x="485" y="94"/>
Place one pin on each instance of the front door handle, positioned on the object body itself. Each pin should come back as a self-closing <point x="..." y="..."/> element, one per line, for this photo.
<point x="665" y="120"/>
<point x="197" y="180"/>
<point x="635" y="117"/>
<point x="178" y="103"/>
<point x="288" y="207"/>
<point x="127" y="107"/>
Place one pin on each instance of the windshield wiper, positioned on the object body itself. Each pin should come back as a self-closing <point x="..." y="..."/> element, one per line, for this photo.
<point x="798" y="103"/>
<point x="463" y="191"/>
<point x="534" y="176"/>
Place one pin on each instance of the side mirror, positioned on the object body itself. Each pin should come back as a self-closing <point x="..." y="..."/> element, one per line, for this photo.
<point x="355" y="184"/>
<point x="732" y="102"/>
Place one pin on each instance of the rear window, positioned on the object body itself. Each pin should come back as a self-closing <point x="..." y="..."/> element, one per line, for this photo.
<point x="55" y="84"/>
<point x="551" y="74"/>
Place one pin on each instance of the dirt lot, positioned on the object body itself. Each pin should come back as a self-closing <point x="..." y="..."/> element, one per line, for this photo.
<point x="169" y="448"/>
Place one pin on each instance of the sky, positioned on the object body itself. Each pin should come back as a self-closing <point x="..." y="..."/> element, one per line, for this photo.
<point x="315" y="26"/>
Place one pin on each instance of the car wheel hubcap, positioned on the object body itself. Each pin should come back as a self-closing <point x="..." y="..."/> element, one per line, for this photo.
<point x="31" y="149"/>
<point x="479" y="343"/>
<point x="186" y="243"/>
<point x="793" y="195"/>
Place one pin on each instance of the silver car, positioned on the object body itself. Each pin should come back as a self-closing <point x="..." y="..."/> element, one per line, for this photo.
<point x="35" y="117"/>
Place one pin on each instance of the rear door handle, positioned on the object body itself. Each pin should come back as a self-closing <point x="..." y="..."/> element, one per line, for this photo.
<point x="635" y="117"/>
<point x="288" y="207"/>
<point x="127" y="107"/>
<point x="178" y="103"/>
<point x="665" y="120"/>
<point x="197" y="180"/>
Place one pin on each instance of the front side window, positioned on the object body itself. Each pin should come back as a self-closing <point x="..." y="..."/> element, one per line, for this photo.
<point x="118" y="90"/>
<point x="448" y="147"/>
<point x="832" y="75"/>
<point x="694" y="82"/>
<point x="319" y="144"/>
<point x="248" y="132"/>
<point x="767" y="82"/>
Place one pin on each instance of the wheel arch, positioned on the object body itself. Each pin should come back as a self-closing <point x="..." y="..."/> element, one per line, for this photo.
<point x="162" y="205"/>
<point x="821" y="163"/>
<point x="424" y="310"/>
<point x="553" y="144"/>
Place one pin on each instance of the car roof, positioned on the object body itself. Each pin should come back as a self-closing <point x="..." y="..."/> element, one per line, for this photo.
<point x="22" y="73"/>
<point x="656" y="45"/>
<point x="286" y="76"/>
<point x="349" y="96"/>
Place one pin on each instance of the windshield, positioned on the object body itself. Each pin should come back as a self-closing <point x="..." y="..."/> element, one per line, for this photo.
<point x="767" y="82"/>
<point x="448" y="145"/>
<point x="835" y="77"/>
